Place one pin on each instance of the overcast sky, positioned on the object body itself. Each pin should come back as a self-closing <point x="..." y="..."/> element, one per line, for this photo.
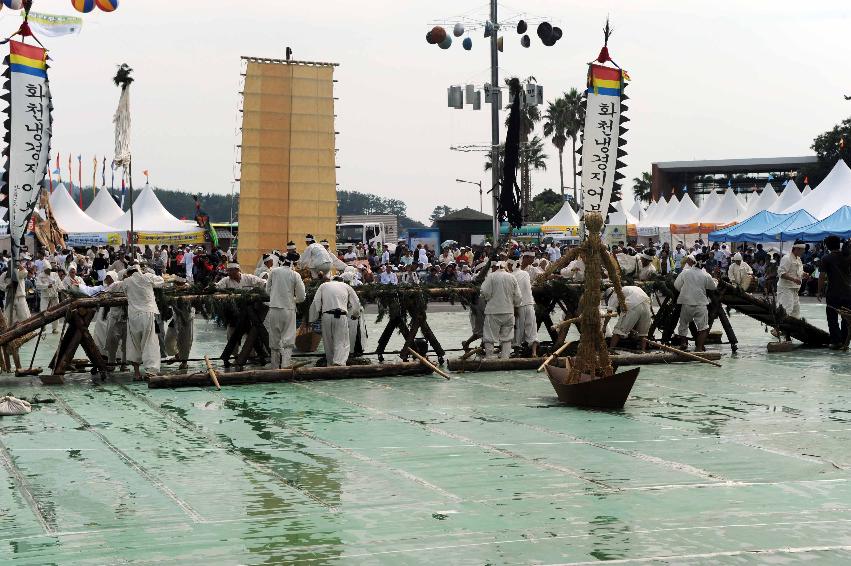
<point x="719" y="79"/>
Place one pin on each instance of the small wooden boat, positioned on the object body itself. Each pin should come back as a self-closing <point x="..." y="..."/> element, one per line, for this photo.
<point x="609" y="392"/>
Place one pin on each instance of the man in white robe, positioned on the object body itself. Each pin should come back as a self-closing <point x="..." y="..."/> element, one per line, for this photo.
<point x="286" y="289"/>
<point x="48" y="285"/>
<point x="740" y="273"/>
<point x="142" y="343"/>
<point x="502" y="294"/>
<point x="525" y="324"/>
<point x="316" y="258"/>
<point x="335" y="302"/>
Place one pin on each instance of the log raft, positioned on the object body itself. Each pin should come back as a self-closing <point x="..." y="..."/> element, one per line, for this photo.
<point x="623" y="359"/>
<point x="202" y="379"/>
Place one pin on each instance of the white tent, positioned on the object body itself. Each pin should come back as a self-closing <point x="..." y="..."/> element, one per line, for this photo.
<point x="729" y="209"/>
<point x="564" y="225"/>
<point x="661" y="218"/>
<point x="70" y="218"/>
<point x="103" y="208"/>
<point x="637" y="210"/>
<point x="149" y="215"/>
<point x="829" y="196"/>
<point x="807" y="190"/>
<point x="622" y="217"/>
<point x="685" y="213"/>
<point x="709" y="202"/>
<point x="790" y="195"/>
<point x="762" y="202"/>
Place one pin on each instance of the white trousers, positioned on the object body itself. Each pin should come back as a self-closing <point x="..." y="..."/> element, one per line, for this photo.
<point x="116" y="333"/>
<point x="142" y="342"/>
<point x="499" y="328"/>
<point x="525" y="326"/>
<point x="356" y="326"/>
<point x="335" y="339"/>
<point x="46" y="303"/>
<point x="790" y="301"/>
<point x="280" y="324"/>
<point x="325" y="268"/>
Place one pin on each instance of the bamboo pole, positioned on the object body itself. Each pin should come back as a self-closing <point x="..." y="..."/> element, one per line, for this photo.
<point x="212" y="373"/>
<point x="554" y="355"/>
<point x="684" y="354"/>
<point x="428" y="364"/>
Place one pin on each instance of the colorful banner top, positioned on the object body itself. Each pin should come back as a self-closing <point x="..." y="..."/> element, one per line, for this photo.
<point x="28" y="59"/>
<point x="605" y="80"/>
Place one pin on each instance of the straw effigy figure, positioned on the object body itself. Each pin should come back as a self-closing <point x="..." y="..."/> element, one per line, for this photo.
<point x="592" y="356"/>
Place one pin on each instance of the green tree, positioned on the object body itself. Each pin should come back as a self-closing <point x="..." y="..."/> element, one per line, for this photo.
<point x="574" y="121"/>
<point x="439" y="212"/>
<point x="555" y="125"/>
<point x="545" y="205"/>
<point x="641" y="187"/>
<point x="830" y="147"/>
<point x="531" y="152"/>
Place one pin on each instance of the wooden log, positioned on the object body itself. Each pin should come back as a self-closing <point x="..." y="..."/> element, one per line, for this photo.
<point x="678" y="352"/>
<point x="283" y="375"/>
<point x="428" y="364"/>
<point x="212" y="373"/>
<point x="552" y="356"/>
<point x="625" y="359"/>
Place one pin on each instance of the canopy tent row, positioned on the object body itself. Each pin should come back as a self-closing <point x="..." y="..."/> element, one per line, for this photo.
<point x="563" y="226"/>
<point x="837" y="224"/>
<point x="831" y="194"/>
<point x="153" y="224"/>
<point x="81" y="229"/>
<point x="104" y="208"/>
<point x="761" y="202"/>
<point x="789" y="196"/>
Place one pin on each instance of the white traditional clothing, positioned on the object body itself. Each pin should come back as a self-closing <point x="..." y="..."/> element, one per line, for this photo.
<point x="142" y="343"/>
<point x="17" y="308"/>
<point x="285" y="289"/>
<point x="646" y="272"/>
<point x="740" y="275"/>
<point x="316" y="258"/>
<point x="787" y="291"/>
<point x="628" y="263"/>
<point x="525" y="324"/>
<point x="502" y="294"/>
<point x="534" y="272"/>
<point x="637" y="315"/>
<point x="692" y="284"/>
<point x="334" y="302"/>
<point x="575" y="270"/>
<point x="48" y="286"/>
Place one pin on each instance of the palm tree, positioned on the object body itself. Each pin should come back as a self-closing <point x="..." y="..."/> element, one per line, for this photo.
<point x="575" y="119"/>
<point x="555" y="125"/>
<point x="641" y="187"/>
<point x="488" y="155"/>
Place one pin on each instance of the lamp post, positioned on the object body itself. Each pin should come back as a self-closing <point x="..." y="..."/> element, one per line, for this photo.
<point x="479" y="183"/>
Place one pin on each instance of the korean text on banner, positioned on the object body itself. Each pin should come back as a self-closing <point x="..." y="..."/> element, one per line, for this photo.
<point x="600" y="138"/>
<point x="160" y="238"/>
<point x="29" y="134"/>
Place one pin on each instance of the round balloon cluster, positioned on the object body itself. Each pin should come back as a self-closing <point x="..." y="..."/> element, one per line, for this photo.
<point x="86" y="6"/>
<point x="547" y="33"/>
<point x="443" y="39"/>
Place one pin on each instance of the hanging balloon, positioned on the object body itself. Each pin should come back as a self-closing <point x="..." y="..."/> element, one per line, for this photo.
<point x="107" y="5"/>
<point x="438" y="34"/>
<point x="499" y="43"/>
<point x="557" y="33"/>
<point x="14" y="4"/>
<point x="84" y="6"/>
<point x="525" y="41"/>
<point x="488" y="29"/>
<point x="446" y="43"/>
<point x="458" y="30"/>
<point x="522" y="27"/>
<point x="430" y="38"/>
<point x="467" y="43"/>
<point x="545" y="31"/>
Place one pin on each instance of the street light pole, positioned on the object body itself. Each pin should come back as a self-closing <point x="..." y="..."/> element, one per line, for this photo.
<point x="479" y="184"/>
<point x="495" y="121"/>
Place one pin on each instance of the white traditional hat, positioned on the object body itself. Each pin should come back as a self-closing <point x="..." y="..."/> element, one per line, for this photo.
<point x="233" y="265"/>
<point x="737" y="256"/>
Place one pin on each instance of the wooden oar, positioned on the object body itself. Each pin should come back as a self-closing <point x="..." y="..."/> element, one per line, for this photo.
<point x="212" y="373"/>
<point x="433" y="367"/>
<point x="553" y="356"/>
<point x="684" y="354"/>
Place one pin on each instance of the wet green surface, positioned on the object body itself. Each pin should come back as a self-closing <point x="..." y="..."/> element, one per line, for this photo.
<point x="744" y="465"/>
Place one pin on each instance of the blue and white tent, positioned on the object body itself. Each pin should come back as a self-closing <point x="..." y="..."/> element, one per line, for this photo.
<point x="837" y="224"/>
